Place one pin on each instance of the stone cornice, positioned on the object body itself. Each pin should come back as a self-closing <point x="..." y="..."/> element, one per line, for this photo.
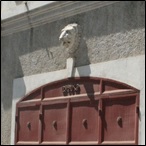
<point x="48" y="13"/>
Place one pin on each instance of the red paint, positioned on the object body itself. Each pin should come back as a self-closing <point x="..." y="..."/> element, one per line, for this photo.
<point x="102" y="111"/>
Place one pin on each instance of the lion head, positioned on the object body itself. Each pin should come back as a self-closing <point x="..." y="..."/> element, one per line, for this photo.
<point x="70" y="37"/>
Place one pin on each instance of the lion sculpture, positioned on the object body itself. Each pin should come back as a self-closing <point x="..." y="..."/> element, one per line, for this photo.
<point x="70" y="38"/>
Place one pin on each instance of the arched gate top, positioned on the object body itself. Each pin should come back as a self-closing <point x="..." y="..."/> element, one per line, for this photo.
<point x="73" y="87"/>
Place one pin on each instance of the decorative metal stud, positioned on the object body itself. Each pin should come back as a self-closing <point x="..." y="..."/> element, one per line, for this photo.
<point x="119" y="119"/>
<point x="54" y="125"/>
<point x="28" y="125"/>
<point x="85" y="124"/>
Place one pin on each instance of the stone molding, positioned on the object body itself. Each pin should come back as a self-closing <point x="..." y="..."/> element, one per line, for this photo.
<point x="48" y="13"/>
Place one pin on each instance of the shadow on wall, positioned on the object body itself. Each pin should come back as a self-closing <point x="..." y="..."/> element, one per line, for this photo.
<point x="10" y="69"/>
<point x="82" y="58"/>
<point x="111" y="29"/>
<point x="118" y="17"/>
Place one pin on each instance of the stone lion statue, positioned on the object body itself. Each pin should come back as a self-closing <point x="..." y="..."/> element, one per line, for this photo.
<point x="70" y="38"/>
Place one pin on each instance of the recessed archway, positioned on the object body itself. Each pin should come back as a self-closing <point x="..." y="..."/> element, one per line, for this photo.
<point x="84" y="110"/>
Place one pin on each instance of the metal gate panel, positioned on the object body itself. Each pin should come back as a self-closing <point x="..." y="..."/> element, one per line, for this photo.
<point x="118" y="121"/>
<point x="54" y="122"/>
<point x="28" y="124"/>
<point x="84" y="121"/>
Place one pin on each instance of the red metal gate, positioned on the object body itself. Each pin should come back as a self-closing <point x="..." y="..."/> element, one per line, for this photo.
<point x="77" y="111"/>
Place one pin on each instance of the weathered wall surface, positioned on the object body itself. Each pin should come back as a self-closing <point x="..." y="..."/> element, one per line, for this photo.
<point x="111" y="32"/>
<point x="10" y="67"/>
<point x="108" y="33"/>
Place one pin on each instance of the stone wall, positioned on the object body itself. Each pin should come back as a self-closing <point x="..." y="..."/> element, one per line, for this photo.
<point x="108" y="33"/>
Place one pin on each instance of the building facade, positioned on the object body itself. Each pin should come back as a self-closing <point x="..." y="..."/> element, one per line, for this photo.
<point x="107" y="45"/>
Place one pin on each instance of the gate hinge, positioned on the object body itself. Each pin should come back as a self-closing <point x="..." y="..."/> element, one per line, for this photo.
<point x="16" y="118"/>
<point x="137" y="108"/>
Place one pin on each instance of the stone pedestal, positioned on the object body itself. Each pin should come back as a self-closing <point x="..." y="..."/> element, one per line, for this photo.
<point x="70" y="67"/>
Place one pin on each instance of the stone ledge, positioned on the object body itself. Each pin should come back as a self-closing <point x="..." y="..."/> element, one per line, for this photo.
<point x="48" y="13"/>
<point x="13" y="8"/>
